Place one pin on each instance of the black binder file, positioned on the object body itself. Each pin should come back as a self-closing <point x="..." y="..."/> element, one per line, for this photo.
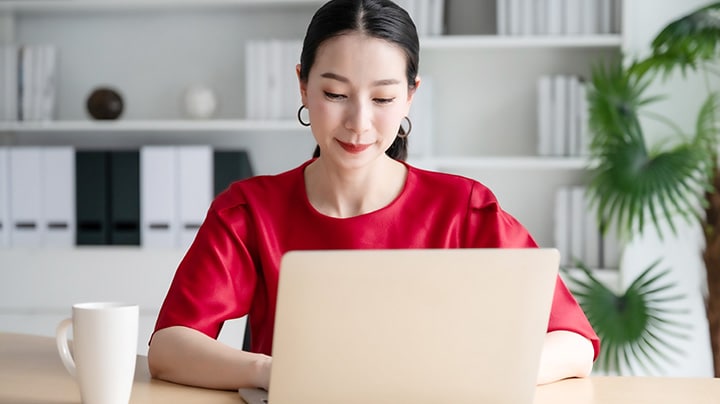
<point x="125" y="197"/>
<point x="92" y="198"/>
<point x="229" y="166"/>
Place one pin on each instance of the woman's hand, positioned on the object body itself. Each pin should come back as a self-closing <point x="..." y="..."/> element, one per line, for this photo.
<point x="565" y="354"/>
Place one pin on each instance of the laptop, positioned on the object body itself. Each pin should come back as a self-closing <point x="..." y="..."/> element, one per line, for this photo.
<point x="410" y="326"/>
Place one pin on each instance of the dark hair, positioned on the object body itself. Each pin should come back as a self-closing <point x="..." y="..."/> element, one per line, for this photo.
<point x="381" y="19"/>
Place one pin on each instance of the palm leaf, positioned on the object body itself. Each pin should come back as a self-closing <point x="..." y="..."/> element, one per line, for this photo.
<point x="634" y="325"/>
<point x="684" y="43"/>
<point x="632" y="185"/>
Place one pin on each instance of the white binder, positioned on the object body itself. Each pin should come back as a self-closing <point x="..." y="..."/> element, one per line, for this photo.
<point x="158" y="197"/>
<point x="58" y="196"/>
<point x="195" y="189"/>
<point x="4" y="197"/>
<point x="25" y="196"/>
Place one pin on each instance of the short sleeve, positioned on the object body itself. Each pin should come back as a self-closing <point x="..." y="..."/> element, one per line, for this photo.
<point x="216" y="279"/>
<point x="491" y="227"/>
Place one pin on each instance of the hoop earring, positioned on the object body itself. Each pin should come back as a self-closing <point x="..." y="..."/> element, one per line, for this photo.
<point x="299" y="116"/>
<point x="406" y="132"/>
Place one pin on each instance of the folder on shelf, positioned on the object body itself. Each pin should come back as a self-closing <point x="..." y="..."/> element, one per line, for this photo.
<point x="4" y="197"/>
<point x="58" y="196"/>
<point x="124" y="197"/>
<point x="577" y="223"/>
<point x="421" y="114"/>
<point x="158" y="197"/>
<point x="562" y="224"/>
<point x="92" y="198"/>
<point x="230" y="166"/>
<point x="195" y="189"/>
<point x="25" y="196"/>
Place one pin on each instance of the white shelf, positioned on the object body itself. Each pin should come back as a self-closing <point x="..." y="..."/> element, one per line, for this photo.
<point x="509" y="162"/>
<point x="217" y="125"/>
<point x="143" y="5"/>
<point x="496" y="41"/>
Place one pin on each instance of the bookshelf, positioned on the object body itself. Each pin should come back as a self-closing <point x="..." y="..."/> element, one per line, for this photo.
<point x="484" y="127"/>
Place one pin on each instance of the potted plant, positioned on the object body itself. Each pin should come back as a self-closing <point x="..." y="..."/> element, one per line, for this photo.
<point x="634" y="183"/>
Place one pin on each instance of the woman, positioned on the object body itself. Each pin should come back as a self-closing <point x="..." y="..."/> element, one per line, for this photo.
<point x="358" y="73"/>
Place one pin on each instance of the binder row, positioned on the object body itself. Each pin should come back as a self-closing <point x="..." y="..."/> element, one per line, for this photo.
<point x="428" y="15"/>
<point x="28" y="77"/>
<point x="155" y="196"/>
<point x="577" y="232"/>
<point x="558" y="17"/>
<point x="271" y="84"/>
<point x="562" y="116"/>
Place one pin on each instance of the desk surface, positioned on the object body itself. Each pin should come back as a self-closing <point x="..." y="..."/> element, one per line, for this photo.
<point x="31" y="373"/>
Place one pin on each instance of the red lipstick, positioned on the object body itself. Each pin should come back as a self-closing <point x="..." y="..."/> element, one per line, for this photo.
<point x="354" y="148"/>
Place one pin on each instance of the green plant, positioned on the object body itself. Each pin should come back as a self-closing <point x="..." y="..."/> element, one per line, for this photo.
<point x="634" y="183"/>
<point x="633" y="324"/>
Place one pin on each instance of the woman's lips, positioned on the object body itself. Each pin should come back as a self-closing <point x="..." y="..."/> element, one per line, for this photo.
<point x="354" y="148"/>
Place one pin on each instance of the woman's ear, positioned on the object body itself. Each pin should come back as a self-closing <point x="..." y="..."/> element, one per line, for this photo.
<point x="302" y="85"/>
<point x="411" y="92"/>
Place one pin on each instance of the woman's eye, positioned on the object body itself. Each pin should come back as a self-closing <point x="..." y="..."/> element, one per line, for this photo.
<point x="334" y="96"/>
<point x="384" y="100"/>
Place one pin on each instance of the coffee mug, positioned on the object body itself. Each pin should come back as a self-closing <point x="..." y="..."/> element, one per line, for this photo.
<point x="104" y="350"/>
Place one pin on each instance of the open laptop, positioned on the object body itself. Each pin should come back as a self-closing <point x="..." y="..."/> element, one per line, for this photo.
<point x="410" y="326"/>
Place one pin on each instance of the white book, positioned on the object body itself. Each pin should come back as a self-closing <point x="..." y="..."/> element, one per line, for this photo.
<point x="4" y="197"/>
<point x="275" y="80"/>
<point x="555" y="17"/>
<point x="25" y="196"/>
<point x="573" y="118"/>
<point x="26" y="90"/>
<point x="611" y="247"/>
<point x="527" y="19"/>
<point x="559" y="114"/>
<point x="158" y="197"/>
<point x="588" y="19"/>
<point x="291" y="86"/>
<point x="421" y="116"/>
<point x="545" y="115"/>
<point x="58" y="196"/>
<point x="577" y="223"/>
<point x="423" y="21"/>
<point x="561" y="231"/>
<point x="583" y="120"/>
<point x="617" y="17"/>
<point x="592" y="237"/>
<point x="10" y="78"/>
<point x="502" y="15"/>
<point x="572" y="15"/>
<point x="541" y="14"/>
<point x="195" y="182"/>
<point x="437" y="11"/>
<point x="605" y="13"/>
<point x="38" y="89"/>
<point x="515" y="16"/>
<point x="49" y="83"/>
<point x="262" y="66"/>
<point x="251" y="79"/>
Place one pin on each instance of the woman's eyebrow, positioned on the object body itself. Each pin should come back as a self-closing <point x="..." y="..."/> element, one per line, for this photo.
<point x="383" y="82"/>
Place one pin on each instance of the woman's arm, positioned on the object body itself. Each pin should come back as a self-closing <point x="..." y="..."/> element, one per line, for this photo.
<point x="565" y="354"/>
<point x="186" y="356"/>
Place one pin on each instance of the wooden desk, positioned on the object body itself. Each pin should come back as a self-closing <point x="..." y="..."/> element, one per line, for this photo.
<point x="31" y="373"/>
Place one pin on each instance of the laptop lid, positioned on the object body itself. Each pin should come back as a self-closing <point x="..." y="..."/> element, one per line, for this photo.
<point x="411" y="326"/>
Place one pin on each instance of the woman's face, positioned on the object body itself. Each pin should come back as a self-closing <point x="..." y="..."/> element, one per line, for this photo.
<point x="356" y="95"/>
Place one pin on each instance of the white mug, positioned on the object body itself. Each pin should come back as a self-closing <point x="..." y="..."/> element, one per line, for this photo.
<point x="104" y="350"/>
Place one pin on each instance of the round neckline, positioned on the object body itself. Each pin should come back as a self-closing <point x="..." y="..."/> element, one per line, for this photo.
<point x="311" y="208"/>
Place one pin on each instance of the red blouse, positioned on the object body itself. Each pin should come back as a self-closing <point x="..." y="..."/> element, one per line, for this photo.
<point x="232" y="267"/>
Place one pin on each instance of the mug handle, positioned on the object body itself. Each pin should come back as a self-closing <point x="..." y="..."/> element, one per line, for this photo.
<point x="62" y="345"/>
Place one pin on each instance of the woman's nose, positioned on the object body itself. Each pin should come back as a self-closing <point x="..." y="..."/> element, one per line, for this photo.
<point x="358" y="117"/>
